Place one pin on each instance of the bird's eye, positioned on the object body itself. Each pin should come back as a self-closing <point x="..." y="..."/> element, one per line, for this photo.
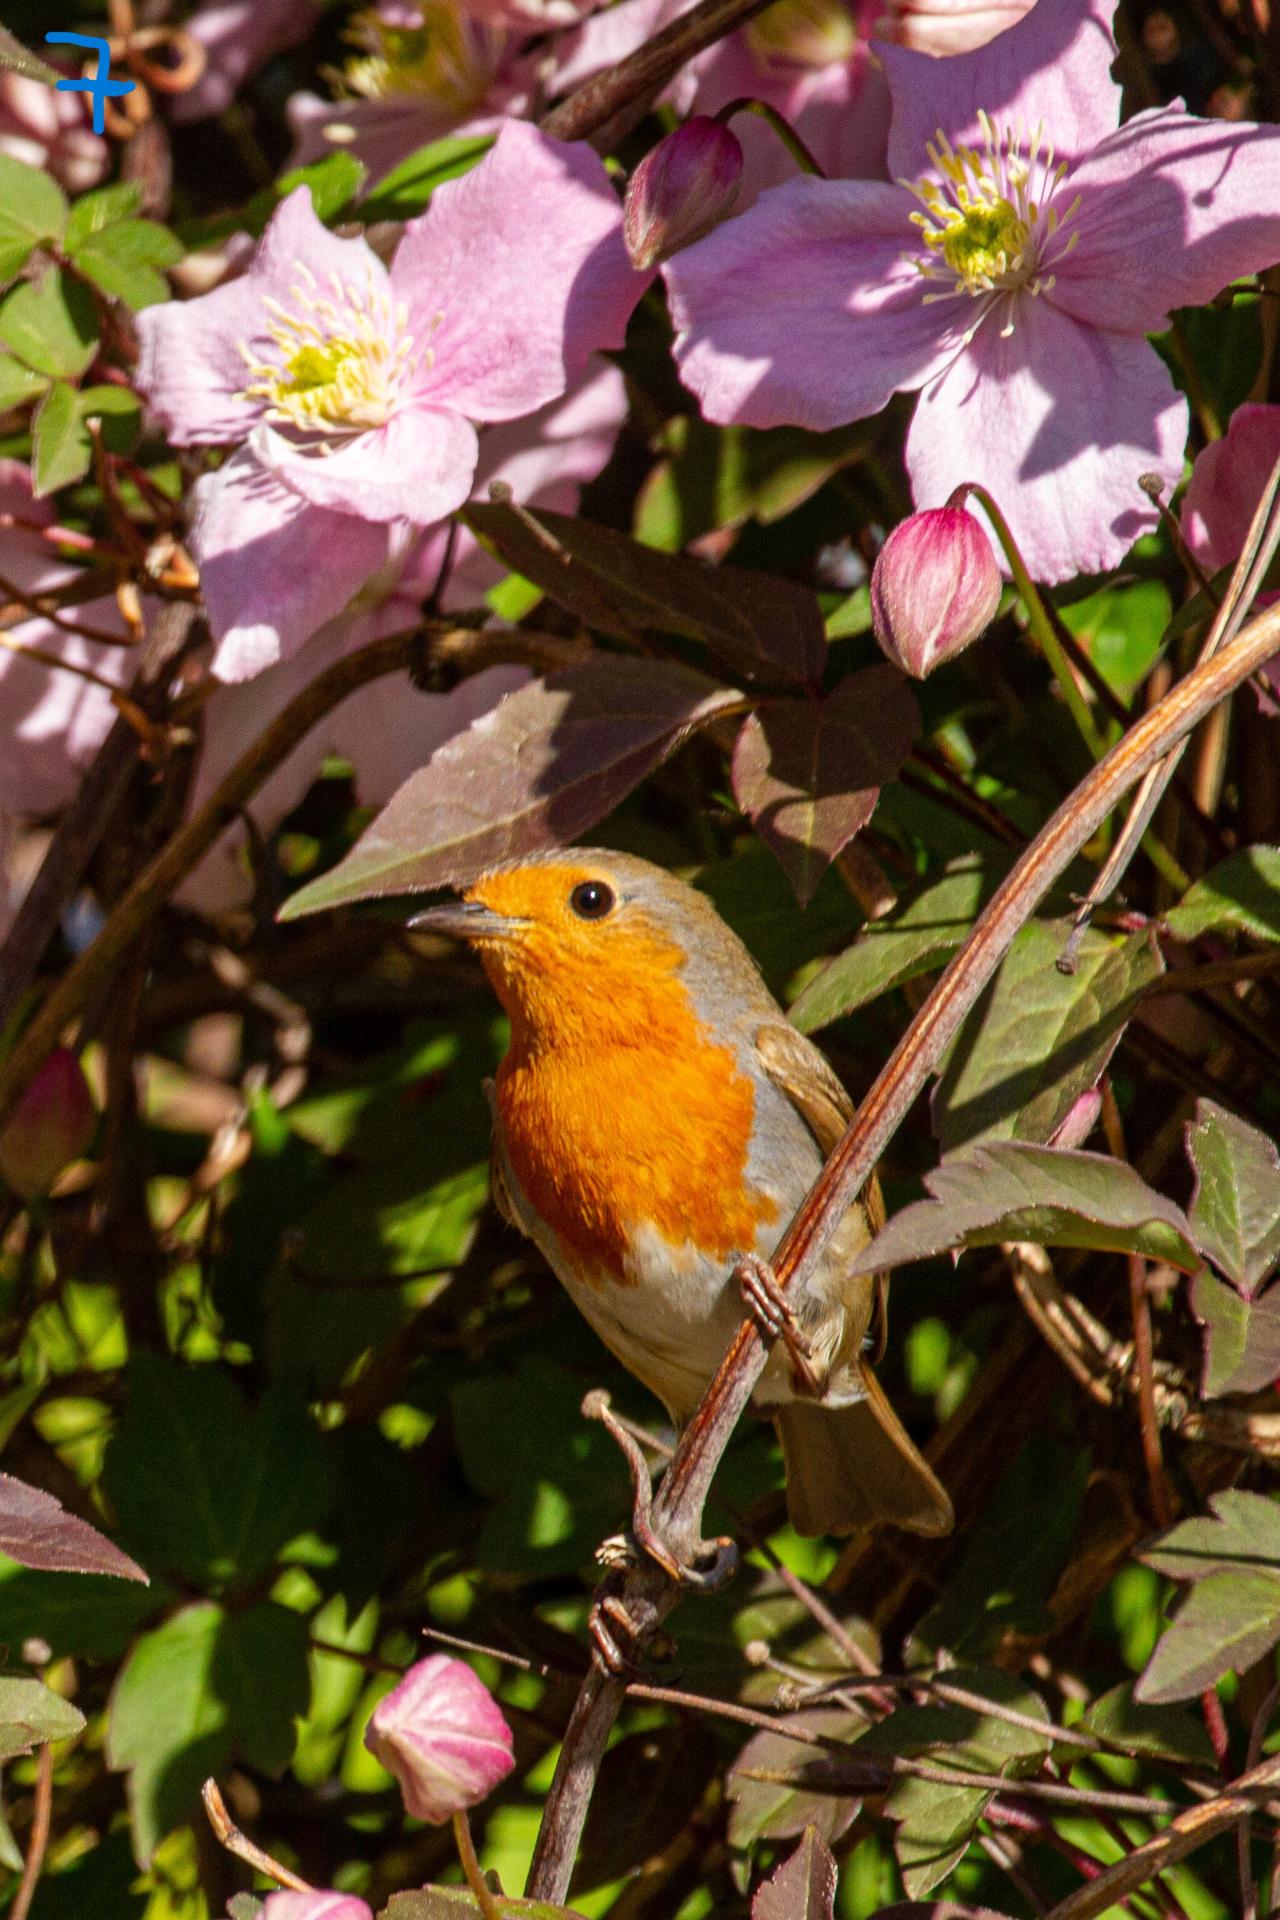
<point x="592" y="900"/>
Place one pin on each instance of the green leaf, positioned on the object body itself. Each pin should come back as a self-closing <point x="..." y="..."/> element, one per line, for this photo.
<point x="385" y="1220"/>
<point x="202" y="1486"/>
<point x="1038" y="1038"/>
<point x="1235" y="1209"/>
<point x="1241" y="895"/>
<point x="205" y="1687"/>
<point x="61" y="447"/>
<point x="125" y="261"/>
<point x="550" y="761"/>
<point x="1227" y="1621"/>
<point x="102" y="208"/>
<point x="550" y="1502"/>
<point x="117" y="412"/>
<point x="1013" y="1558"/>
<point x="1157" y="1733"/>
<point x="332" y="183"/>
<point x="1241" y="1336"/>
<point x="50" y="324"/>
<point x="1123" y="630"/>
<point x="649" y="1787"/>
<point x="1243" y="1530"/>
<point x="32" y="1714"/>
<point x="778" y="1787"/>
<point x="92" y="1616"/>
<point x="1055" y="1196"/>
<point x="33" y="210"/>
<point x="408" y="188"/>
<point x="920" y="934"/>
<point x="809" y="770"/>
<point x="936" y="1824"/>
<point x="804" y="1886"/>
<point x="18" y="383"/>
<point x="721" y="476"/>
<point x="760" y="627"/>
<point x="455" y="1903"/>
<point x="965" y="1735"/>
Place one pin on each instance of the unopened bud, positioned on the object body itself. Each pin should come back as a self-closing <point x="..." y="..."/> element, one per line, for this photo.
<point x="442" y="1734"/>
<point x="934" y="588"/>
<point x="1079" y="1120"/>
<point x="682" y="188"/>
<point x="51" y="1126"/>
<point x="315" y="1904"/>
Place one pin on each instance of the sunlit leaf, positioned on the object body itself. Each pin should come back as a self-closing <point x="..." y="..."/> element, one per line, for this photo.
<point x="803" y="1887"/>
<point x="1235" y="1209"/>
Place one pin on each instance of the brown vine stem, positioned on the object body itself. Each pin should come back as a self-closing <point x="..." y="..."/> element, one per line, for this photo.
<point x="646" y="1593"/>
<point x="591" y="107"/>
<point x="1173" y="1843"/>
<point x="39" y="1840"/>
<point x="152" y="887"/>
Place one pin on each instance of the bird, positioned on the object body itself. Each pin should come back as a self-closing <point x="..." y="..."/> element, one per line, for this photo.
<point x="656" y="1121"/>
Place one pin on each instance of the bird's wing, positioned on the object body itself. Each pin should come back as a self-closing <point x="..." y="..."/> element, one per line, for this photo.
<point x="819" y="1096"/>
<point x="810" y="1083"/>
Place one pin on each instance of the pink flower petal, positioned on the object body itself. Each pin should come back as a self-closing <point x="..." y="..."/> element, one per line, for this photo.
<point x="418" y="467"/>
<point x="273" y="568"/>
<point x="193" y="369"/>
<point x="1058" y="421"/>
<point x="516" y="273"/>
<point x="1172" y="208"/>
<point x="948" y="26"/>
<point x="317" y="1905"/>
<point x="443" y="1736"/>
<point x="238" y="37"/>
<point x="1053" y="66"/>
<point x="52" y="719"/>
<point x="805" y="310"/>
<point x="1226" y="485"/>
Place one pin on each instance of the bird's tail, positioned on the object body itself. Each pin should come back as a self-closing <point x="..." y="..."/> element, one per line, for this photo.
<point x="856" y="1466"/>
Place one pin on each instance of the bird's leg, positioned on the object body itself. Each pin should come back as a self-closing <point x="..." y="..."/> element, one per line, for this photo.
<point x="613" y="1634"/>
<point x="770" y="1309"/>
<point x="623" y="1550"/>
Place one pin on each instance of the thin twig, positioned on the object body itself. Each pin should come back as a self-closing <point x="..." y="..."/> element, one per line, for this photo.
<point x="39" y="1840"/>
<point x="643" y="74"/>
<point x="228" y="1835"/>
<point x="1191" y="1829"/>
<point x="1143" y="1348"/>
<point x="646" y="1593"/>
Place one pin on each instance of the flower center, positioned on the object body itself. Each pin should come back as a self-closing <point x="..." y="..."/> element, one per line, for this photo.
<point x="344" y="356"/>
<point x="987" y="217"/>
<point x="804" y="33"/>
<point x="443" y="55"/>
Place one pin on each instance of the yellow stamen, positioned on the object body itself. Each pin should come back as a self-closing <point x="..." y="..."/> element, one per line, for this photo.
<point x="342" y="363"/>
<point x="447" y="57"/>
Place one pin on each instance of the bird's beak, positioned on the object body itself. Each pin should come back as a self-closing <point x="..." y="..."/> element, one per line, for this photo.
<point x="465" y="920"/>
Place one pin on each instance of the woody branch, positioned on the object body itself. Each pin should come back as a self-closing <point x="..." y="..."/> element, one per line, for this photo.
<point x="647" y="1593"/>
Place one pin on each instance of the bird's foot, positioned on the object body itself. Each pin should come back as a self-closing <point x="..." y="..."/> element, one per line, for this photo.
<point x="714" y="1563"/>
<point x="770" y="1309"/>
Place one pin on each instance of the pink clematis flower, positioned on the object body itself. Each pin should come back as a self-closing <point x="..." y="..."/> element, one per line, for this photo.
<point x="318" y="1904"/>
<point x="390" y="728"/>
<point x="1222" y="496"/>
<point x="947" y="26"/>
<point x="52" y="131"/>
<point x="238" y="37"/>
<point x="53" y="718"/>
<point x="443" y="1736"/>
<point x="1226" y="485"/>
<point x="356" y="389"/>
<point x="423" y="71"/>
<point x="1011" y="274"/>
<point x="810" y="59"/>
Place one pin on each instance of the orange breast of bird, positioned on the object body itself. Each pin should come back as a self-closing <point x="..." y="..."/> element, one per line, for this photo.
<point x="618" y="1109"/>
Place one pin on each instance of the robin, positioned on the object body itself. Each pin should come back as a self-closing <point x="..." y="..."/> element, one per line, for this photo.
<point x="656" y="1120"/>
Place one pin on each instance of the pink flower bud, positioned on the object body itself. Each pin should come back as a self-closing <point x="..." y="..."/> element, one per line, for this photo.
<point x="442" y="1734"/>
<point x="682" y="188"/>
<point x="934" y="588"/>
<point x="1079" y="1121"/>
<point x="317" y="1905"/>
<point x="51" y="1126"/>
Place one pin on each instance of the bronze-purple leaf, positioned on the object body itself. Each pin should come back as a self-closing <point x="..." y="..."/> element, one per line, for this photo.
<point x="759" y="627"/>
<point x="809" y="770"/>
<point x="548" y="762"/>
<point x="804" y="1886"/>
<point x="36" y="1531"/>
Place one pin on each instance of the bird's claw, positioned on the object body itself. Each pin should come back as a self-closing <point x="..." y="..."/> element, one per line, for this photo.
<point x="770" y="1309"/>
<point x="622" y="1551"/>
